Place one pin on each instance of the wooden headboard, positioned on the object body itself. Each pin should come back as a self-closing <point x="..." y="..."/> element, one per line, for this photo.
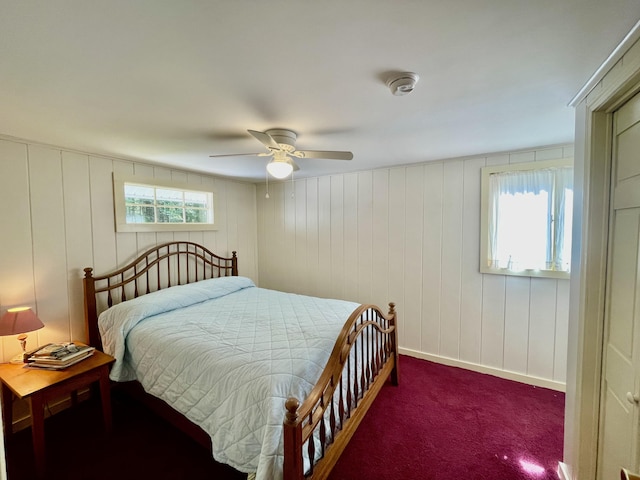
<point x="163" y="266"/>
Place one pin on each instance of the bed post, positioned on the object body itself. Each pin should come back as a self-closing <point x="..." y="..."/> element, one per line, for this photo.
<point x="292" y="441"/>
<point x="394" y="343"/>
<point x="90" y="311"/>
<point x="234" y="264"/>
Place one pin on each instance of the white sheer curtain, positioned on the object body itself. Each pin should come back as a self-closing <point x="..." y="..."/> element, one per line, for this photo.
<point x="564" y="218"/>
<point x="528" y="211"/>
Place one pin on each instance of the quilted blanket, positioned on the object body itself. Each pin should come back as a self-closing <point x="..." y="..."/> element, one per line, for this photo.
<point x="227" y="355"/>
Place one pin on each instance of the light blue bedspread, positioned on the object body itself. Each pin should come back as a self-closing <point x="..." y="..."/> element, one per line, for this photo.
<point x="227" y="355"/>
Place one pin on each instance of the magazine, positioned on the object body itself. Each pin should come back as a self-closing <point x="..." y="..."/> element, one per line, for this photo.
<point x="59" y="355"/>
<point x="49" y="366"/>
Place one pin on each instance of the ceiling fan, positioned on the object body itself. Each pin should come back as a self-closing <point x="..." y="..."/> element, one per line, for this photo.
<point x="281" y="145"/>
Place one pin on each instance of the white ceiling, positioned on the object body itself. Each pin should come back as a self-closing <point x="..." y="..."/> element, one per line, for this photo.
<point x="174" y="81"/>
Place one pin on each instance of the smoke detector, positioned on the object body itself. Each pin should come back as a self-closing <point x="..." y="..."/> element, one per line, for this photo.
<point x="402" y="83"/>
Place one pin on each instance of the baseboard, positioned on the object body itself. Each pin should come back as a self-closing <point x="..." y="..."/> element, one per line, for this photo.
<point x="496" y="372"/>
<point x="564" y="471"/>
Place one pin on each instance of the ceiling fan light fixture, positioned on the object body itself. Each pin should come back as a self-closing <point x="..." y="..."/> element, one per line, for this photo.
<point x="280" y="167"/>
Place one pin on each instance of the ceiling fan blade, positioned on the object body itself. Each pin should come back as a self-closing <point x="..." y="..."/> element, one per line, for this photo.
<point x="294" y="165"/>
<point x="236" y="155"/>
<point x="266" y="139"/>
<point x="326" y="155"/>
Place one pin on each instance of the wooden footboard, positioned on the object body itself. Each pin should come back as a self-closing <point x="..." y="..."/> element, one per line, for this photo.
<point x="365" y="356"/>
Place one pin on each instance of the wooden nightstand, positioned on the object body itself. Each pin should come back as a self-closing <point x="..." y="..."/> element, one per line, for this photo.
<point x="41" y="386"/>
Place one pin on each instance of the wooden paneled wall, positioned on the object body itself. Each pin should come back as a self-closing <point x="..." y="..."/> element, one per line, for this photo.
<point x="411" y="235"/>
<point x="56" y="218"/>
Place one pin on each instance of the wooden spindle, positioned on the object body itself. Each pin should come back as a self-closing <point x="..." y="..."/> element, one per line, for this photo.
<point x="135" y="282"/>
<point x="123" y="293"/>
<point x="188" y="266"/>
<point x="109" y="299"/>
<point x="341" y="402"/>
<point x="348" y="387"/>
<point x="311" y="447"/>
<point x="356" y="390"/>
<point x="376" y="346"/>
<point x="371" y="332"/>
<point x="323" y="431"/>
<point x="332" y="414"/>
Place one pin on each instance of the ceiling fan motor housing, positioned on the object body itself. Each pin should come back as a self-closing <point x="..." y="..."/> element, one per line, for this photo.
<point x="285" y="138"/>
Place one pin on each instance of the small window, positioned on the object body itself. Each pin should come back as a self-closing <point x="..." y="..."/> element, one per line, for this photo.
<point x="151" y="205"/>
<point x="527" y="211"/>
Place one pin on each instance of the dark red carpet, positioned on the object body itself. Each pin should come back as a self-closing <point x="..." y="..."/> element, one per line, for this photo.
<point x="448" y="423"/>
<point x="440" y="423"/>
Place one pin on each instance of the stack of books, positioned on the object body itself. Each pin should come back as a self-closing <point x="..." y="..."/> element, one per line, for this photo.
<point x="56" y="356"/>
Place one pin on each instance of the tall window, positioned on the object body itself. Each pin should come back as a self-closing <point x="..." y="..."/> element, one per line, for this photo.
<point x="527" y="214"/>
<point x="155" y="205"/>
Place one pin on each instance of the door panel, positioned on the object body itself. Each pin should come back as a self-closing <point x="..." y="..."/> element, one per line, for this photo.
<point x="618" y="370"/>
<point x="623" y="281"/>
<point x="628" y="141"/>
<point x="616" y="426"/>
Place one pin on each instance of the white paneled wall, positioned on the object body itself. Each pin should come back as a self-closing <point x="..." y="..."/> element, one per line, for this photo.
<point x="411" y="235"/>
<point x="406" y="234"/>
<point x="56" y="218"/>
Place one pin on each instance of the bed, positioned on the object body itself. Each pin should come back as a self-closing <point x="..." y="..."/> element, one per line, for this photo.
<point x="274" y="383"/>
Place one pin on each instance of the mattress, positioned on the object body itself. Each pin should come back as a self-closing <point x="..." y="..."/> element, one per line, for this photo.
<point x="227" y="355"/>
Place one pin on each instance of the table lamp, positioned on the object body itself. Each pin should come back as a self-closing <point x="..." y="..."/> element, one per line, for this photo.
<point x="19" y="321"/>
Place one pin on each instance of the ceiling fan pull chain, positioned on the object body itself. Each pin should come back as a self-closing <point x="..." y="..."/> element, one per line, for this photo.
<point x="267" y="178"/>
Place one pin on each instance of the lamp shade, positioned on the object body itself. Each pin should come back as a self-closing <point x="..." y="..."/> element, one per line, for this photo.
<point x="280" y="168"/>
<point x="19" y="320"/>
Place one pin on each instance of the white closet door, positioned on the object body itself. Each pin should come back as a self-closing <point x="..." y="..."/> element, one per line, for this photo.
<point x="618" y="443"/>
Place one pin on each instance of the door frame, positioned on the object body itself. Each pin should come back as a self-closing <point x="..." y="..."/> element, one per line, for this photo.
<point x="592" y="167"/>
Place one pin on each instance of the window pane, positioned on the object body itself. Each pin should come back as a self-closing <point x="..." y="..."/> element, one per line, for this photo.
<point x="140" y="214"/>
<point x="194" y="215"/>
<point x="168" y="197"/>
<point x="170" y="215"/>
<point x="522" y="231"/>
<point x="138" y="194"/>
<point x="195" y="199"/>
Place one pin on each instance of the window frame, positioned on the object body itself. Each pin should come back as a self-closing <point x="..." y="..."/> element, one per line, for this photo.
<point x="484" y="217"/>
<point x="120" y="210"/>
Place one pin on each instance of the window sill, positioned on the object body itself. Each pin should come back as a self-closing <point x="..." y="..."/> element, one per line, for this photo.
<point x="527" y="273"/>
<point x="167" y="227"/>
